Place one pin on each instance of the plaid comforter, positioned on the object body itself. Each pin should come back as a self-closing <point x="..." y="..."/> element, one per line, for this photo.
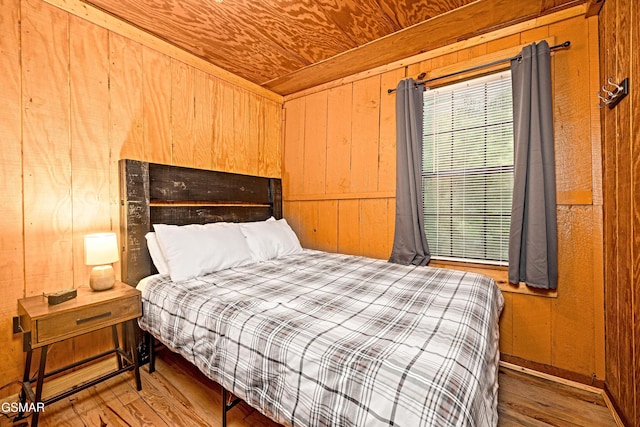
<point x="321" y="339"/>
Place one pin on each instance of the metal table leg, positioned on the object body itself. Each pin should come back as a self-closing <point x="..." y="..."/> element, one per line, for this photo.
<point x="39" y="383"/>
<point x="26" y="383"/>
<point x="116" y="344"/>
<point x="134" y="352"/>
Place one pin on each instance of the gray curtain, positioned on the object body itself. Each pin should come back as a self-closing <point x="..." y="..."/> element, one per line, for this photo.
<point x="409" y="242"/>
<point x="533" y="242"/>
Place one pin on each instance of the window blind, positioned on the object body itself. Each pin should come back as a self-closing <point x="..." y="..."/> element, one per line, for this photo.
<point x="467" y="170"/>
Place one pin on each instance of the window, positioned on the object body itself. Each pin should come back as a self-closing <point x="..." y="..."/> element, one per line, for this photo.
<point x="467" y="170"/>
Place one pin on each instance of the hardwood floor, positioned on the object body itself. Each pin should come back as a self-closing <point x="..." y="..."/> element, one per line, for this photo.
<point x="177" y="394"/>
<point x="527" y="400"/>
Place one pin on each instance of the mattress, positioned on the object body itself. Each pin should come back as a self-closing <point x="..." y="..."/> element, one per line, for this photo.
<point x="319" y="339"/>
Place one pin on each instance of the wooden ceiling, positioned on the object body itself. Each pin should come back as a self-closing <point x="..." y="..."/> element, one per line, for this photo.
<point x="290" y="45"/>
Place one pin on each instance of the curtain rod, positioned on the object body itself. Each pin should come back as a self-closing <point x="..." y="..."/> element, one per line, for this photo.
<point x="478" y="67"/>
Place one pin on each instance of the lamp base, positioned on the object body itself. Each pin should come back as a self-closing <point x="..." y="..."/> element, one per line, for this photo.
<point x="102" y="278"/>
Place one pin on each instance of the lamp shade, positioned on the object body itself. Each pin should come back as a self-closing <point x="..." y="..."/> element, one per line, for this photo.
<point x="100" y="248"/>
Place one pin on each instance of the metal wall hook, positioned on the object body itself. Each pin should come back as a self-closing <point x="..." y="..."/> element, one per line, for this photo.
<point x="612" y="98"/>
<point x="611" y="83"/>
<point x="611" y="94"/>
<point x="604" y="100"/>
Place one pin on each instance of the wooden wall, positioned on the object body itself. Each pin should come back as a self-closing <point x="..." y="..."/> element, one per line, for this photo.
<point x="619" y="41"/>
<point x="74" y="99"/>
<point x="339" y="183"/>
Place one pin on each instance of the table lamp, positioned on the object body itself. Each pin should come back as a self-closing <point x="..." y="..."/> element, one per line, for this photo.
<point x="100" y="250"/>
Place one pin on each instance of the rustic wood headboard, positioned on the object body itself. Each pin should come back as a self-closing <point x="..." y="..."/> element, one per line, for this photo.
<point x="153" y="193"/>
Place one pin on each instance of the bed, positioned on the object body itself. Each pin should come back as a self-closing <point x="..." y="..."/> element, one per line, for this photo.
<point x="312" y="338"/>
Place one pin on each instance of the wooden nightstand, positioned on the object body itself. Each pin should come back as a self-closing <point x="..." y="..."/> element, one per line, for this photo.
<point x="44" y="324"/>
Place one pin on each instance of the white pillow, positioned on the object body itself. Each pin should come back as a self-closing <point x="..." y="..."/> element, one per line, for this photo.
<point x="194" y="250"/>
<point x="156" y="253"/>
<point x="270" y="239"/>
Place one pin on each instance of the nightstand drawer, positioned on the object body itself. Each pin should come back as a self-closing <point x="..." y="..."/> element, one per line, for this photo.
<point x="77" y="322"/>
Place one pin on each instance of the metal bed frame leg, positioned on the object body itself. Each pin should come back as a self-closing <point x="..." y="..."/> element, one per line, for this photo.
<point x="152" y="352"/>
<point x="226" y="407"/>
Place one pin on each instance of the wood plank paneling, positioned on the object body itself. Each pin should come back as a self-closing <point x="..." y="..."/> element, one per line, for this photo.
<point x="46" y="148"/>
<point x="417" y="68"/>
<point x="314" y="163"/>
<point x="126" y="129"/>
<point x="294" y="137"/>
<point x="48" y="215"/>
<point x="327" y="227"/>
<point x="531" y="328"/>
<point x="598" y="293"/>
<point x="291" y="211"/>
<point x="308" y="212"/>
<point x="204" y="87"/>
<point x="315" y="223"/>
<point x="89" y="77"/>
<point x="635" y="186"/>
<point x="11" y="217"/>
<point x="609" y="154"/>
<point x="125" y="92"/>
<point x="251" y="133"/>
<point x="564" y="330"/>
<point x="572" y="314"/>
<point x="619" y="35"/>
<point x="506" y="324"/>
<point x="182" y="114"/>
<point x="223" y="125"/>
<point x="391" y="222"/>
<point x="242" y="148"/>
<point x="156" y="90"/>
<point x="338" y="177"/>
<point x="270" y="151"/>
<point x="503" y="43"/>
<point x="348" y="229"/>
<point x="103" y="19"/>
<point x="91" y="153"/>
<point x="596" y="140"/>
<point x="387" y="148"/>
<point x="624" y="214"/>
<point x="246" y="130"/>
<point x="572" y="121"/>
<point x="365" y="130"/>
<point x="534" y="35"/>
<point x="256" y="132"/>
<point x="477" y="50"/>
<point x="374" y="231"/>
<point x="75" y="99"/>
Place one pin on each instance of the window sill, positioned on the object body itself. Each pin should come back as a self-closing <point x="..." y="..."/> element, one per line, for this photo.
<point x="498" y="273"/>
